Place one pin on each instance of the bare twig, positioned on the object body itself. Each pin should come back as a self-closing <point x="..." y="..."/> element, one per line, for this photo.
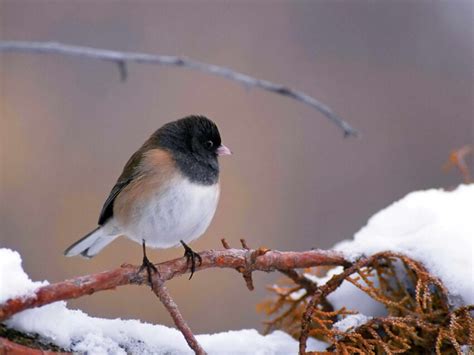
<point x="250" y="259"/>
<point x="457" y="158"/>
<point x="225" y="244"/>
<point x="319" y="295"/>
<point x="121" y="59"/>
<point x="301" y="280"/>
<point x="128" y="274"/>
<point x="163" y="294"/>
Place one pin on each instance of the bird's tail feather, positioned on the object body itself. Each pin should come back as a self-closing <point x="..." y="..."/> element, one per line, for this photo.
<point x="91" y="244"/>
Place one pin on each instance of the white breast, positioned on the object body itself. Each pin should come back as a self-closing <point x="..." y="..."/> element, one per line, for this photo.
<point x="181" y="211"/>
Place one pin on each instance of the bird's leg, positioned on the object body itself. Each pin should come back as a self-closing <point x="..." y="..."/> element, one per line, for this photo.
<point x="191" y="257"/>
<point x="147" y="264"/>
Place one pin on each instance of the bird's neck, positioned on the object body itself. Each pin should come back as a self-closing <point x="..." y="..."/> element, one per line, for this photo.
<point x="198" y="171"/>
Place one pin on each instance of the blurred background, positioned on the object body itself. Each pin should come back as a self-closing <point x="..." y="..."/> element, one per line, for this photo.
<point x="399" y="71"/>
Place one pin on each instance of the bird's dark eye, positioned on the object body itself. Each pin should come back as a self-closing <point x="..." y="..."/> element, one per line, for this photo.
<point x="209" y="144"/>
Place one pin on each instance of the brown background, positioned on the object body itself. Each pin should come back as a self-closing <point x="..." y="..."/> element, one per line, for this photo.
<point x="401" y="72"/>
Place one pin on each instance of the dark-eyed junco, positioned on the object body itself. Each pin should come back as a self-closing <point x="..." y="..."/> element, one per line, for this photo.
<point x="167" y="193"/>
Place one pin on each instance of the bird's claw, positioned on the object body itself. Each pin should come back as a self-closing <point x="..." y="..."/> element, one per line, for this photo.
<point x="148" y="265"/>
<point x="191" y="257"/>
<point x="150" y="268"/>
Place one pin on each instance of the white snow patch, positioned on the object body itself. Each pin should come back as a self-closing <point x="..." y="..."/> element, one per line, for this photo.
<point x="435" y="227"/>
<point x="13" y="280"/>
<point x="316" y="345"/>
<point x="351" y="322"/>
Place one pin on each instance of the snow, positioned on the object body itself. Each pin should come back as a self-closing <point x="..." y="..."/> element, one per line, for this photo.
<point x="351" y="322"/>
<point x="316" y="345"/>
<point x="435" y="227"/>
<point x="13" y="280"/>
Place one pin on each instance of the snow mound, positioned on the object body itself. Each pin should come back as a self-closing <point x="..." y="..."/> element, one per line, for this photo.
<point x="435" y="227"/>
<point x="13" y="280"/>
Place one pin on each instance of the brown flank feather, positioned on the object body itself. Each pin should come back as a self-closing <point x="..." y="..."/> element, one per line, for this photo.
<point x="156" y="170"/>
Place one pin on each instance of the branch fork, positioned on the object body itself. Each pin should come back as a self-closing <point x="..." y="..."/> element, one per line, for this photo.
<point x="250" y="259"/>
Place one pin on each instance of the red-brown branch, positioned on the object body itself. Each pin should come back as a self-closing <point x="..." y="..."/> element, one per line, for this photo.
<point x="163" y="294"/>
<point x="128" y="274"/>
<point x="457" y="159"/>
<point x="10" y="347"/>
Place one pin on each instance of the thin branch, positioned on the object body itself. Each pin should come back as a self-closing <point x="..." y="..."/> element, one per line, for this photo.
<point x="457" y="159"/>
<point x="163" y="294"/>
<point x="250" y="259"/>
<point x="128" y="274"/>
<point x="10" y="347"/>
<point x="301" y="280"/>
<point x="122" y="58"/>
<point x="319" y="295"/>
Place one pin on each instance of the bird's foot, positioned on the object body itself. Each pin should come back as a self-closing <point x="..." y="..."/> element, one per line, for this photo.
<point x="148" y="265"/>
<point x="191" y="257"/>
<point x="150" y="268"/>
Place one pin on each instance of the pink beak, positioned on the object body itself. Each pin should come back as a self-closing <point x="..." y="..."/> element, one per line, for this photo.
<point x="223" y="150"/>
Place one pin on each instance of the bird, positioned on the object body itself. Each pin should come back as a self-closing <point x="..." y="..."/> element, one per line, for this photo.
<point x="166" y="195"/>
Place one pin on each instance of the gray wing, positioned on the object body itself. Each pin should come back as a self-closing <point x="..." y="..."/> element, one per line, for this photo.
<point x="129" y="173"/>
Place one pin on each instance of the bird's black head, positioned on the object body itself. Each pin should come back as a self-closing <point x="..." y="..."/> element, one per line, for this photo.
<point x="195" y="143"/>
